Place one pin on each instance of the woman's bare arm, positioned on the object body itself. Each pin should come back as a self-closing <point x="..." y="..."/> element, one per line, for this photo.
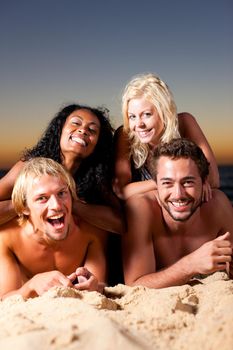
<point x="122" y="185"/>
<point x="6" y="186"/>
<point x="108" y="218"/>
<point x="190" y="129"/>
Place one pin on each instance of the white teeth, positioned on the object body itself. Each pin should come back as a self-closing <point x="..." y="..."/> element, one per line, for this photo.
<point x="144" y="133"/>
<point x="79" y="140"/>
<point x="179" y="204"/>
<point x="54" y="217"/>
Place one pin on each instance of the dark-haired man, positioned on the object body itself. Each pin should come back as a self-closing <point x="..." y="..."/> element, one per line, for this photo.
<point x="172" y="235"/>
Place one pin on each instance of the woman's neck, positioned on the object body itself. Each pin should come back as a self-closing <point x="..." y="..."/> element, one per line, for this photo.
<point x="71" y="164"/>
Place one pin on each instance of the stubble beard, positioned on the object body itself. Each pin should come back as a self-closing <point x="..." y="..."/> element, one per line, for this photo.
<point x="55" y="238"/>
<point x="181" y="219"/>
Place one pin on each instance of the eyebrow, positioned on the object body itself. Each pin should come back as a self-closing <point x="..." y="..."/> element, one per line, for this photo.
<point x="80" y="117"/>
<point x="63" y="188"/>
<point x="183" y="178"/>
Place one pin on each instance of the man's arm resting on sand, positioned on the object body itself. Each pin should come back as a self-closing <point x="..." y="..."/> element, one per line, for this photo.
<point x="95" y="263"/>
<point x="11" y="277"/>
<point x="212" y="256"/>
<point x="139" y="250"/>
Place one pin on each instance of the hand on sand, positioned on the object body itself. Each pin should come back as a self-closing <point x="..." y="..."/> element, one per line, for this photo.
<point x="83" y="279"/>
<point x="42" y="282"/>
<point x="212" y="256"/>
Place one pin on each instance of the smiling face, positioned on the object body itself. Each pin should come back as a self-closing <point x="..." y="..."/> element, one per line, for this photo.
<point x="49" y="206"/>
<point x="179" y="187"/>
<point x="80" y="133"/>
<point x="144" y="121"/>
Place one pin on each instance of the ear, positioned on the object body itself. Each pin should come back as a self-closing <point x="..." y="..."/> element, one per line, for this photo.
<point x="26" y="211"/>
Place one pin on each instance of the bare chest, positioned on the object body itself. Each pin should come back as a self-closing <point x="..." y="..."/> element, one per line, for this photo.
<point x="34" y="258"/>
<point x="170" y="247"/>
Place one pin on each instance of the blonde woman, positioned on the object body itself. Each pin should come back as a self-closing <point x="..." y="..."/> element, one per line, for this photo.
<point x="150" y="117"/>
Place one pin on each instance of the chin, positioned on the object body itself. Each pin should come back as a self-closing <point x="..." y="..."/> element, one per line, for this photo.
<point x="60" y="236"/>
<point x="181" y="218"/>
<point x="145" y="140"/>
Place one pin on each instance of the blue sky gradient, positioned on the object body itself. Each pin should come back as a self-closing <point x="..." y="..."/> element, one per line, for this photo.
<point x="58" y="52"/>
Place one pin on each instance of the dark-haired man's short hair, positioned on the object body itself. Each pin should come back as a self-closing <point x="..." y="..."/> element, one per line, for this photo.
<point x="180" y="148"/>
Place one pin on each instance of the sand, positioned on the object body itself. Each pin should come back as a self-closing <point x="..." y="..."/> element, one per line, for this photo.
<point x="198" y="315"/>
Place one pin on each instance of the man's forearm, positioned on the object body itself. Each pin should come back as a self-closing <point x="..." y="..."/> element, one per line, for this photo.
<point x="25" y="291"/>
<point x="174" y="275"/>
<point x="103" y="217"/>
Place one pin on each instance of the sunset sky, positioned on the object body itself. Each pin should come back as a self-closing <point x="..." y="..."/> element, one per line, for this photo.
<point x="56" y="52"/>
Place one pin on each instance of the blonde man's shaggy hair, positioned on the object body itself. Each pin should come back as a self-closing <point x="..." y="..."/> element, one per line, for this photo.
<point x="153" y="89"/>
<point x="36" y="168"/>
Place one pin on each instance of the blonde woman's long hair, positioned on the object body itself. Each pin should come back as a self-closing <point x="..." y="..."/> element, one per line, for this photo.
<point x="153" y="89"/>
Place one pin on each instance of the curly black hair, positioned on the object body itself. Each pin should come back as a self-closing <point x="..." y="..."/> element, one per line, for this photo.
<point x="94" y="176"/>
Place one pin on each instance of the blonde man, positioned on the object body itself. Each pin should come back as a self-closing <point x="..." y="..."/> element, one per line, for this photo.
<point x="47" y="246"/>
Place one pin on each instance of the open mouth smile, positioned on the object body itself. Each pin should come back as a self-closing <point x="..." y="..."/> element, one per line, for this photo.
<point x="79" y="140"/>
<point x="180" y="205"/>
<point x="145" y="133"/>
<point x="57" y="221"/>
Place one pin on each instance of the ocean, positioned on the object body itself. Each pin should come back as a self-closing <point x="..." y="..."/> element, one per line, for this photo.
<point x="226" y="179"/>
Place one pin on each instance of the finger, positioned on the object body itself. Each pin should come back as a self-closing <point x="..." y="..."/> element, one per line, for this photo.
<point x="220" y="267"/>
<point x="90" y="284"/>
<point x="83" y="285"/>
<point x="72" y="276"/>
<point x="203" y="196"/>
<point x="210" y="193"/>
<point x="83" y="271"/>
<point x="78" y="280"/>
<point x="223" y="259"/>
<point x="225" y="250"/>
<point x="225" y="244"/>
<point x="65" y="281"/>
<point x="82" y="279"/>
<point x="224" y="236"/>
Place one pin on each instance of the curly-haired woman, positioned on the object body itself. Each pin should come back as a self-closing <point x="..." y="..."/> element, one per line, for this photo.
<point x="80" y="138"/>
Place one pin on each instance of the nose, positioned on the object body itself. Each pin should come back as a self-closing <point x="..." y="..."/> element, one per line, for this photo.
<point x="83" y="130"/>
<point x="55" y="202"/>
<point x="139" y="122"/>
<point x="179" y="190"/>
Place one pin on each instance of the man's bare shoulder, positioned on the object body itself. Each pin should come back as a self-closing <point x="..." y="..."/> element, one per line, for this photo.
<point x="219" y="199"/>
<point x="143" y="207"/>
<point x="219" y="207"/>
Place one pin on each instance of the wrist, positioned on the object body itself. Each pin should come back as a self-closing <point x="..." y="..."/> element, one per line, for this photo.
<point x="187" y="267"/>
